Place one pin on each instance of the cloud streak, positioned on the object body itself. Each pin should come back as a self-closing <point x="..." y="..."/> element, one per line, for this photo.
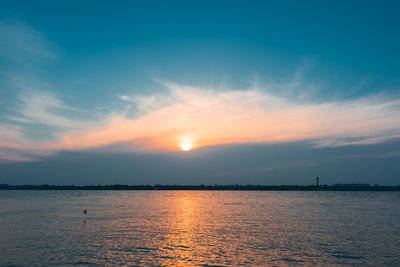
<point x="203" y="117"/>
<point x="44" y="108"/>
<point x="213" y="118"/>
<point x="31" y="114"/>
<point x="23" y="45"/>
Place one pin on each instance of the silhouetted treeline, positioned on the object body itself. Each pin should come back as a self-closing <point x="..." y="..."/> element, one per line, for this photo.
<point x="336" y="187"/>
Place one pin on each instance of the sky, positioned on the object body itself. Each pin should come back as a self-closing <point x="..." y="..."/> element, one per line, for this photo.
<point x="199" y="92"/>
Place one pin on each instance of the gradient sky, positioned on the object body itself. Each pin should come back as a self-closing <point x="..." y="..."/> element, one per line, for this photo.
<point x="261" y="92"/>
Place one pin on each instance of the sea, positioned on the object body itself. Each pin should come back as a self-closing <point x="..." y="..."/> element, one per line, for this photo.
<point x="199" y="228"/>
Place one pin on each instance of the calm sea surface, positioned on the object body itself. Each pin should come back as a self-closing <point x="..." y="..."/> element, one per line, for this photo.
<point x="199" y="228"/>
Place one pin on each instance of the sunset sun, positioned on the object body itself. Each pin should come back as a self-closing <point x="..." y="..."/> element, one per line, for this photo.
<point x="186" y="144"/>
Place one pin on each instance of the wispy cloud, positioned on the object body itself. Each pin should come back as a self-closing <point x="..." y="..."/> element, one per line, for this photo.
<point x="215" y="118"/>
<point x="44" y="108"/>
<point x="391" y="154"/>
<point x="39" y="117"/>
<point x="14" y="147"/>
<point x="22" y="45"/>
<point x="8" y="155"/>
<point x="210" y="118"/>
<point x="31" y="113"/>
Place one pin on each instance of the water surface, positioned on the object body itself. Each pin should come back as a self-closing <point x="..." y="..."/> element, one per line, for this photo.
<point x="199" y="228"/>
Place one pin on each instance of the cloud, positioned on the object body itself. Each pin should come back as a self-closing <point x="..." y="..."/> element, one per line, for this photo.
<point x="14" y="147"/>
<point x="30" y="108"/>
<point x="40" y="115"/>
<point x="213" y="118"/>
<point x="44" y="108"/>
<point x="24" y="46"/>
<point x="389" y="154"/>
<point x="206" y="117"/>
<point x="8" y="155"/>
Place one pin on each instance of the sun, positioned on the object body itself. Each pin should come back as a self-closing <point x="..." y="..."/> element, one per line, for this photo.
<point x="186" y="144"/>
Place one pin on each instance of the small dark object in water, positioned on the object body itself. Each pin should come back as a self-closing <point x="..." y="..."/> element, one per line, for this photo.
<point x="85" y="211"/>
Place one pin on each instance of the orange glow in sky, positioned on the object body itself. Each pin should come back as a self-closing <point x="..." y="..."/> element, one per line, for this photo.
<point x="189" y="118"/>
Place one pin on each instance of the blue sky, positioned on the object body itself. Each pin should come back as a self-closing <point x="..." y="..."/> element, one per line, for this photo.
<point x="132" y="81"/>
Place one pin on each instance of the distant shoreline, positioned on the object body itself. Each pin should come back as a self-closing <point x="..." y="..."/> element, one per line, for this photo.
<point x="336" y="187"/>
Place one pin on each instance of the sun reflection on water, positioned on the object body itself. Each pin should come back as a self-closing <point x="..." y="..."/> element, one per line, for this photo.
<point x="180" y="244"/>
<point x="205" y="228"/>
